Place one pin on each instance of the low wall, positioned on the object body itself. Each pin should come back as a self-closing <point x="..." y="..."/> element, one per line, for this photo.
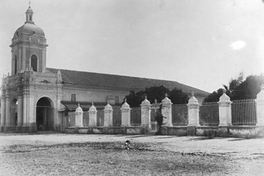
<point x="106" y="130"/>
<point x="210" y="131"/>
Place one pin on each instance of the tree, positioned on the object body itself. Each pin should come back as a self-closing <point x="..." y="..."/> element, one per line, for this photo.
<point x="233" y="84"/>
<point x="214" y="97"/>
<point x="239" y="89"/>
<point x="177" y="96"/>
<point x="249" y="88"/>
<point x="157" y="92"/>
<point x="134" y="99"/>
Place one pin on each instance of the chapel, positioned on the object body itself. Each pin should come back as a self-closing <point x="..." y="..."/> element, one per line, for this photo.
<point x="35" y="96"/>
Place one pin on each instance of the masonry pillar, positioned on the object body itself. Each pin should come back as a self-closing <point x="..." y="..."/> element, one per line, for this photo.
<point x="3" y="108"/>
<point x="108" y="115"/>
<point x="32" y="114"/>
<point x="79" y="116"/>
<point x="57" y="118"/>
<point x="3" y="114"/>
<point x="166" y="111"/>
<point x="19" y="113"/>
<point x="193" y="112"/>
<point x="225" y="116"/>
<point x="92" y="116"/>
<point x="260" y="107"/>
<point x="25" y="126"/>
<point x="125" y="114"/>
<point x="145" y="114"/>
<point x="7" y="112"/>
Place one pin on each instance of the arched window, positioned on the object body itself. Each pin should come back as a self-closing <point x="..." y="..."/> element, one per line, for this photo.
<point x="15" y="71"/>
<point x="34" y="63"/>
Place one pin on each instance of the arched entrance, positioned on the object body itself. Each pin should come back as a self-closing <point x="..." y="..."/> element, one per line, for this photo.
<point x="13" y="113"/>
<point x="45" y="115"/>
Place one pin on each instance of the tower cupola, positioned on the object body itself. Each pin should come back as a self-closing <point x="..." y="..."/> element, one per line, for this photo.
<point x="29" y="15"/>
<point x="28" y="47"/>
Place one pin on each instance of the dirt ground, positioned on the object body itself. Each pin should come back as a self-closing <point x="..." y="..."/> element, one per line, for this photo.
<point x="76" y="154"/>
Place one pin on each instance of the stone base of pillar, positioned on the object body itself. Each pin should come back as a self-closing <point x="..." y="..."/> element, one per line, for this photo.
<point x="146" y="128"/>
<point x="9" y="129"/>
<point x="2" y="128"/>
<point x="57" y="127"/>
<point x="191" y="130"/>
<point x="223" y="131"/>
<point x="18" y="129"/>
<point x="224" y="125"/>
<point x="24" y="129"/>
<point x="33" y="127"/>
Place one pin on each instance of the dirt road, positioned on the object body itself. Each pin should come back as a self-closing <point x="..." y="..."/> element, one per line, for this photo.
<point x="248" y="154"/>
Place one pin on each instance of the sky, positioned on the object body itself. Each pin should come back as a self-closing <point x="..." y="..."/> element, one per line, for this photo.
<point x="200" y="43"/>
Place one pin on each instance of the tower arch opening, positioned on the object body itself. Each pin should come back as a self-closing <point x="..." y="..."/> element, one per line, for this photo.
<point x="34" y="63"/>
<point x="44" y="114"/>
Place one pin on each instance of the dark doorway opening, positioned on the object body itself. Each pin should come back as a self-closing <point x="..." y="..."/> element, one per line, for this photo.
<point x="45" y="115"/>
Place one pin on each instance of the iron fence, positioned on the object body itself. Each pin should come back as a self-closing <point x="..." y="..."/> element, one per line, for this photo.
<point x="136" y="116"/>
<point x="179" y="114"/>
<point x="116" y="116"/>
<point x="71" y="119"/>
<point x="85" y="118"/>
<point x="244" y="112"/>
<point x="209" y="114"/>
<point x="100" y="117"/>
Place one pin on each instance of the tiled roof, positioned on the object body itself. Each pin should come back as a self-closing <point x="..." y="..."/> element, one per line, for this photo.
<point x="120" y="82"/>
<point x="71" y="106"/>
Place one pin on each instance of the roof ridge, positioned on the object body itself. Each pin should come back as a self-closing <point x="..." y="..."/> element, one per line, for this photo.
<point x="119" y="81"/>
<point x="115" y="75"/>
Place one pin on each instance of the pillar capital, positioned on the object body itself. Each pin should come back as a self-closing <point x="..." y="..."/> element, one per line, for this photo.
<point x="224" y="101"/>
<point x="92" y="108"/>
<point x="145" y="103"/>
<point x="193" y="103"/>
<point x="166" y="102"/>
<point x="125" y="106"/>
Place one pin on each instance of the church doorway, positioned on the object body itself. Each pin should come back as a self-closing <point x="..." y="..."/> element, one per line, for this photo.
<point x="13" y="112"/>
<point x="45" y="115"/>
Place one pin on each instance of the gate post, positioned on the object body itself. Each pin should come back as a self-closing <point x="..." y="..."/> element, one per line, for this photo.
<point x="193" y="112"/>
<point x="125" y="114"/>
<point x="260" y="107"/>
<point x="92" y="116"/>
<point x="225" y="116"/>
<point x="145" y="114"/>
<point x="79" y="116"/>
<point x="166" y="111"/>
<point x="108" y="115"/>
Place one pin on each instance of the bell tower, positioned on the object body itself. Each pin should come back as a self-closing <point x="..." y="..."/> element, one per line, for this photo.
<point x="30" y="95"/>
<point x="28" y="47"/>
